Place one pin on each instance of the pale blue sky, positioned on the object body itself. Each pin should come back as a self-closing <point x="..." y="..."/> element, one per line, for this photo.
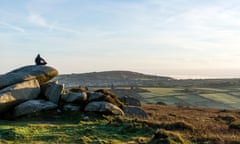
<point x="149" y="36"/>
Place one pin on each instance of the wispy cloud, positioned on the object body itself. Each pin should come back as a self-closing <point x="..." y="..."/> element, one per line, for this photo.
<point x="12" y="20"/>
<point x="43" y="14"/>
<point x="40" y="21"/>
<point x="12" y="27"/>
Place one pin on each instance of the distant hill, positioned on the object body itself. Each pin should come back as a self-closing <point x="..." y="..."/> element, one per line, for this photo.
<point x="109" y="78"/>
<point x="129" y="78"/>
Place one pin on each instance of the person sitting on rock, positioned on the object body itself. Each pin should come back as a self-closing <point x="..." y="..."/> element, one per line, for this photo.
<point x="39" y="60"/>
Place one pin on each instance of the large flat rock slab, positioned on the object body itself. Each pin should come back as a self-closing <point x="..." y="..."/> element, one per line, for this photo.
<point x="40" y="72"/>
<point x="33" y="106"/>
<point x="20" y="92"/>
<point x="135" y="111"/>
<point x="103" y="107"/>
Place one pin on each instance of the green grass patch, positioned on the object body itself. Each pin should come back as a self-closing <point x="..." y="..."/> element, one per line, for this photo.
<point x="227" y="99"/>
<point x="223" y="98"/>
<point x="97" y="129"/>
<point x="212" y="89"/>
<point x="163" y="91"/>
<point x="166" y="95"/>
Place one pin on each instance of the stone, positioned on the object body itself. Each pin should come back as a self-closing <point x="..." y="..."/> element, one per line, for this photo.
<point x="33" y="106"/>
<point x="86" y="118"/>
<point x="40" y="72"/>
<point x="79" y="89"/>
<point x="107" y="96"/>
<point x="103" y="107"/>
<point x="134" y="111"/>
<point x="71" y="107"/>
<point x="53" y="92"/>
<point x="130" y="101"/>
<point x="18" y="93"/>
<point x="74" y="97"/>
<point x="94" y="96"/>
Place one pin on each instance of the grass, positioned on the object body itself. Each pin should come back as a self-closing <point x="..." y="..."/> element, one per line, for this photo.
<point x="197" y="125"/>
<point x="166" y="95"/>
<point x="203" y="89"/>
<point x="225" y="98"/>
<point x="235" y="125"/>
<point x="71" y="129"/>
<point x="178" y="125"/>
<point x="186" y="123"/>
<point x="222" y="98"/>
<point x="163" y="91"/>
<point x="166" y="124"/>
<point x="162" y="136"/>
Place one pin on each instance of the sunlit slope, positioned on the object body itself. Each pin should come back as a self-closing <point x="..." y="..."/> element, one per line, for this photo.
<point x="228" y="98"/>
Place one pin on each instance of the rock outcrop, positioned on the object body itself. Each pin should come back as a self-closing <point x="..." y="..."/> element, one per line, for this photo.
<point x="135" y="111"/>
<point x="71" y="107"/>
<point x="110" y="97"/>
<point x="54" y="91"/>
<point x="79" y="97"/>
<point x="130" y="101"/>
<point x="42" y="73"/>
<point x="103" y="107"/>
<point x="18" y="93"/>
<point x="93" y="96"/>
<point x="29" y="90"/>
<point x="33" y="106"/>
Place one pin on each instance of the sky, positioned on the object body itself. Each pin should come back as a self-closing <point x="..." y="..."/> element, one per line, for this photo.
<point x="165" y="37"/>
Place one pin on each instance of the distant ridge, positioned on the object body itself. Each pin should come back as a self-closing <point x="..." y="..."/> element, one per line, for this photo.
<point x="108" y="78"/>
<point x="129" y="78"/>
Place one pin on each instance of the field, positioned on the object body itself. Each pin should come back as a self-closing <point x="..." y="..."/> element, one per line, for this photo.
<point x="222" y="98"/>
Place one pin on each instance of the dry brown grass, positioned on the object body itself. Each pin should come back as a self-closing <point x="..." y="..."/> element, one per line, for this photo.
<point x="208" y="125"/>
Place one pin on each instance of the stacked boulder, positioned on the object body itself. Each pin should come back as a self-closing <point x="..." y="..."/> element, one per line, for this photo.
<point x="21" y="85"/>
<point x="29" y="89"/>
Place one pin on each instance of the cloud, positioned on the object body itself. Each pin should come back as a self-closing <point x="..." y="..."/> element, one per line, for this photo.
<point x="38" y="20"/>
<point x="45" y="14"/>
<point x="42" y="22"/>
<point x="12" y="27"/>
<point x="12" y="20"/>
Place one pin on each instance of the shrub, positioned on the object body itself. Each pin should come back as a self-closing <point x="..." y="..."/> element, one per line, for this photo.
<point x="178" y="126"/>
<point x="110" y="97"/>
<point x="10" y="134"/>
<point x="161" y="103"/>
<point x="228" y="119"/>
<point x="166" y="137"/>
<point x="235" y="125"/>
<point x="208" y="140"/>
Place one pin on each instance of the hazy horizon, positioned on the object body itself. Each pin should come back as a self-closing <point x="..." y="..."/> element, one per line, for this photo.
<point x="177" y="74"/>
<point x="203" y="74"/>
<point x="181" y="38"/>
